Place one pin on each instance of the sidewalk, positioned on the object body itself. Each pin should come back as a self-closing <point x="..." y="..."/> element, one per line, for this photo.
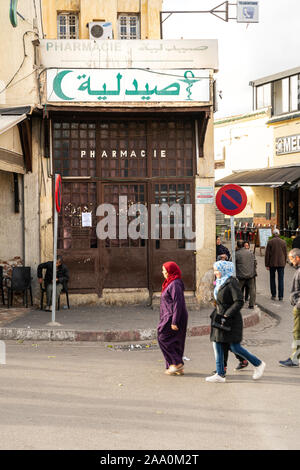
<point x="131" y="323"/>
<point x="99" y="323"/>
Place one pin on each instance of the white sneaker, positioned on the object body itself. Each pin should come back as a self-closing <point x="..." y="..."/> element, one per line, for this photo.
<point x="258" y="371"/>
<point x="215" y="378"/>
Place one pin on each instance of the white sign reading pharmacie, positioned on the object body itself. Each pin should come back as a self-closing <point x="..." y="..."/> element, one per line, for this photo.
<point x="289" y="144"/>
<point x="154" y="54"/>
<point x="127" y="85"/>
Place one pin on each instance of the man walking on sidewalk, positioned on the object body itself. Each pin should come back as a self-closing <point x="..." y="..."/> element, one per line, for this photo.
<point x="246" y="270"/>
<point x="293" y="360"/>
<point x="275" y="260"/>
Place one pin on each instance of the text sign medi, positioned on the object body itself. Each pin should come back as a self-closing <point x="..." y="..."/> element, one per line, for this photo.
<point x="106" y="85"/>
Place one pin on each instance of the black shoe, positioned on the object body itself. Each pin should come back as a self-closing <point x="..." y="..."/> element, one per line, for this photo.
<point x="280" y="298"/>
<point x="251" y="306"/>
<point x="273" y="298"/>
<point x="288" y="363"/>
<point x="242" y="365"/>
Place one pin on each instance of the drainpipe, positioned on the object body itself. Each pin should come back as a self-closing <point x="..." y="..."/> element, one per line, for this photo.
<point x="23" y="221"/>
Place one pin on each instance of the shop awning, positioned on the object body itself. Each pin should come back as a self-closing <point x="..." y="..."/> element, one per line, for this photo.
<point x="15" y="139"/>
<point x="9" y="121"/>
<point x="273" y="177"/>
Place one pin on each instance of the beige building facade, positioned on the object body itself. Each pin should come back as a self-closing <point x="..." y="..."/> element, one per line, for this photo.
<point x="19" y="96"/>
<point x="117" y="112"/>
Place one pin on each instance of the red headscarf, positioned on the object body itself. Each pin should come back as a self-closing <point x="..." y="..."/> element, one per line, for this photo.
<point x="173" y="271"/>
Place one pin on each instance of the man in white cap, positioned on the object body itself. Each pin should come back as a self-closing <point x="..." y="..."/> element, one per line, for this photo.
<point x="275" y="260"/>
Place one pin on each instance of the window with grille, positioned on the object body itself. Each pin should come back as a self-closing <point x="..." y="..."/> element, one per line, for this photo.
<point x="74" y="148"/>
<point x="123" y="147"/>
<point x="135" y="194"/>
<point x="171" y="194"/>
<point x="129" y="26"/>
<point x="175" y="140"/>
<point x="67" y="26"/>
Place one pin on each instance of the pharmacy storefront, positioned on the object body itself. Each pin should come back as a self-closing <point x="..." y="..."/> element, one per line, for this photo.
<point x="129" y="143"/>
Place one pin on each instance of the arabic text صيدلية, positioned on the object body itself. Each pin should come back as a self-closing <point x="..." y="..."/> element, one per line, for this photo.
<point x="172" y="89"/>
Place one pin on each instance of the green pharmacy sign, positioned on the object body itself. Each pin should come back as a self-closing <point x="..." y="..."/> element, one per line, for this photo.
<point x="127" y="85"/>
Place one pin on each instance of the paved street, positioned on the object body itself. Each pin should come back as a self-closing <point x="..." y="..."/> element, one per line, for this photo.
<point x="62" y="396"/>
<point x="95" y="396"/>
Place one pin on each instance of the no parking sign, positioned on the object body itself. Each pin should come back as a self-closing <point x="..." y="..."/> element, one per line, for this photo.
<point x="231" y="199"/>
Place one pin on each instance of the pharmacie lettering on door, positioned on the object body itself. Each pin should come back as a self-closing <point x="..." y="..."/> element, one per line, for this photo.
<point x="124" y="153"/>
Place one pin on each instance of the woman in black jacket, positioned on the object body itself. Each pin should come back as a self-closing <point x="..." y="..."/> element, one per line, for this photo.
<point x="227" y="322"/>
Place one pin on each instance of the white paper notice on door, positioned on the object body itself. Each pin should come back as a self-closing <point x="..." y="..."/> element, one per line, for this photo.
<point x="86" y="220"/>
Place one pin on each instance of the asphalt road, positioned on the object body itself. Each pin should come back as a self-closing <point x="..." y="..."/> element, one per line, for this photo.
<point x="91" y="396"/>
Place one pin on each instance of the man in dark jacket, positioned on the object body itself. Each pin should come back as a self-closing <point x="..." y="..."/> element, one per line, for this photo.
<point x="62" y="277"/>
<point x="221" y="250"/>
<point x="293" y="360"/>
<point x="296" y="242"/>
<point x="246" y="270"/>
<point x="275" y="260"/>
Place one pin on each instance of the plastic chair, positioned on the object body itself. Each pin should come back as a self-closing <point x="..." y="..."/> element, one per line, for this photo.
<point x="64" y="291"/>
<point x="1" y="284"/>
<point x="20" y="281"/>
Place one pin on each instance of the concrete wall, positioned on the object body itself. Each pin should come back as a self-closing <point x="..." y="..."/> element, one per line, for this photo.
<point x="22" y="89"/>
<point x="32" y="207"/>
<point x="103" y="10"/>
<point x="11" y="237"/>
<point x="245" y="142"/>
<point x="205" y="222"/>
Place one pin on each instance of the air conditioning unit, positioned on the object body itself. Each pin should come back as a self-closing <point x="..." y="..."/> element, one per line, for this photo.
<point x="100" y="30"/>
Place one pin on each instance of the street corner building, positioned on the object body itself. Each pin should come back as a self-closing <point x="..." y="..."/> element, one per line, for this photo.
<point x="119" y="112"/>
<point x="269" y="141"/>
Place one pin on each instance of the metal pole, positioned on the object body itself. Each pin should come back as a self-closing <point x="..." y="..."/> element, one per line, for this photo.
<point x="232" y="241"/>
<point x="54" y="260"/>
<point x="53" y="322"/>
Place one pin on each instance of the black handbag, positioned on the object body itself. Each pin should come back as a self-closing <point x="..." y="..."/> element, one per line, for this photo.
<point x="219" y="322"/>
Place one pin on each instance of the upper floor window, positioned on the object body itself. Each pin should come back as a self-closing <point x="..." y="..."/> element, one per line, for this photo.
<point x="263" y="96"/>
<point x="283" y="95"/>
<point x="129" y="26"/>
<point x="67" y="26"/>
<point x="286" y="95"/>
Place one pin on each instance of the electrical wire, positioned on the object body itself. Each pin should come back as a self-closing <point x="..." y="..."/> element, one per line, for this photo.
<point x="21" y="65"/>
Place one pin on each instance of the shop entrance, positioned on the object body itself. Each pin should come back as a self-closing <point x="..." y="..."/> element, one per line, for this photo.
<point x="146" y="161"/>
<point x="289" y="216"/>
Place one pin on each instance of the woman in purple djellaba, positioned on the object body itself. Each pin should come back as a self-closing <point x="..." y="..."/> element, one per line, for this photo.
<point x="171" y="330"/>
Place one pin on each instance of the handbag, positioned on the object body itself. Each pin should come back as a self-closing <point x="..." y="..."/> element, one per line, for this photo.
<point x="219" y="323"/>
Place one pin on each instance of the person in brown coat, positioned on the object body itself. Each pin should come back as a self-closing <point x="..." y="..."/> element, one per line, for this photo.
<point x="275" y="260"/>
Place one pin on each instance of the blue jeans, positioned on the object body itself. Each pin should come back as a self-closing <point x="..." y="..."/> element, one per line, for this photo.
<point x="280" y="272"/>
<point x="236" y="348"/>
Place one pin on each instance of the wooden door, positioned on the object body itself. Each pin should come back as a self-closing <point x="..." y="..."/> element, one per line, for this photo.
<point x="164" y="248"/>
<point x="124" y="260"/>
<point x="78" y="243"/>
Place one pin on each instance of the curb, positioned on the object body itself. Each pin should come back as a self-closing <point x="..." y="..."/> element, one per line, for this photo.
<point x="269" y="312"/>
<point x="31" y="334"/>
